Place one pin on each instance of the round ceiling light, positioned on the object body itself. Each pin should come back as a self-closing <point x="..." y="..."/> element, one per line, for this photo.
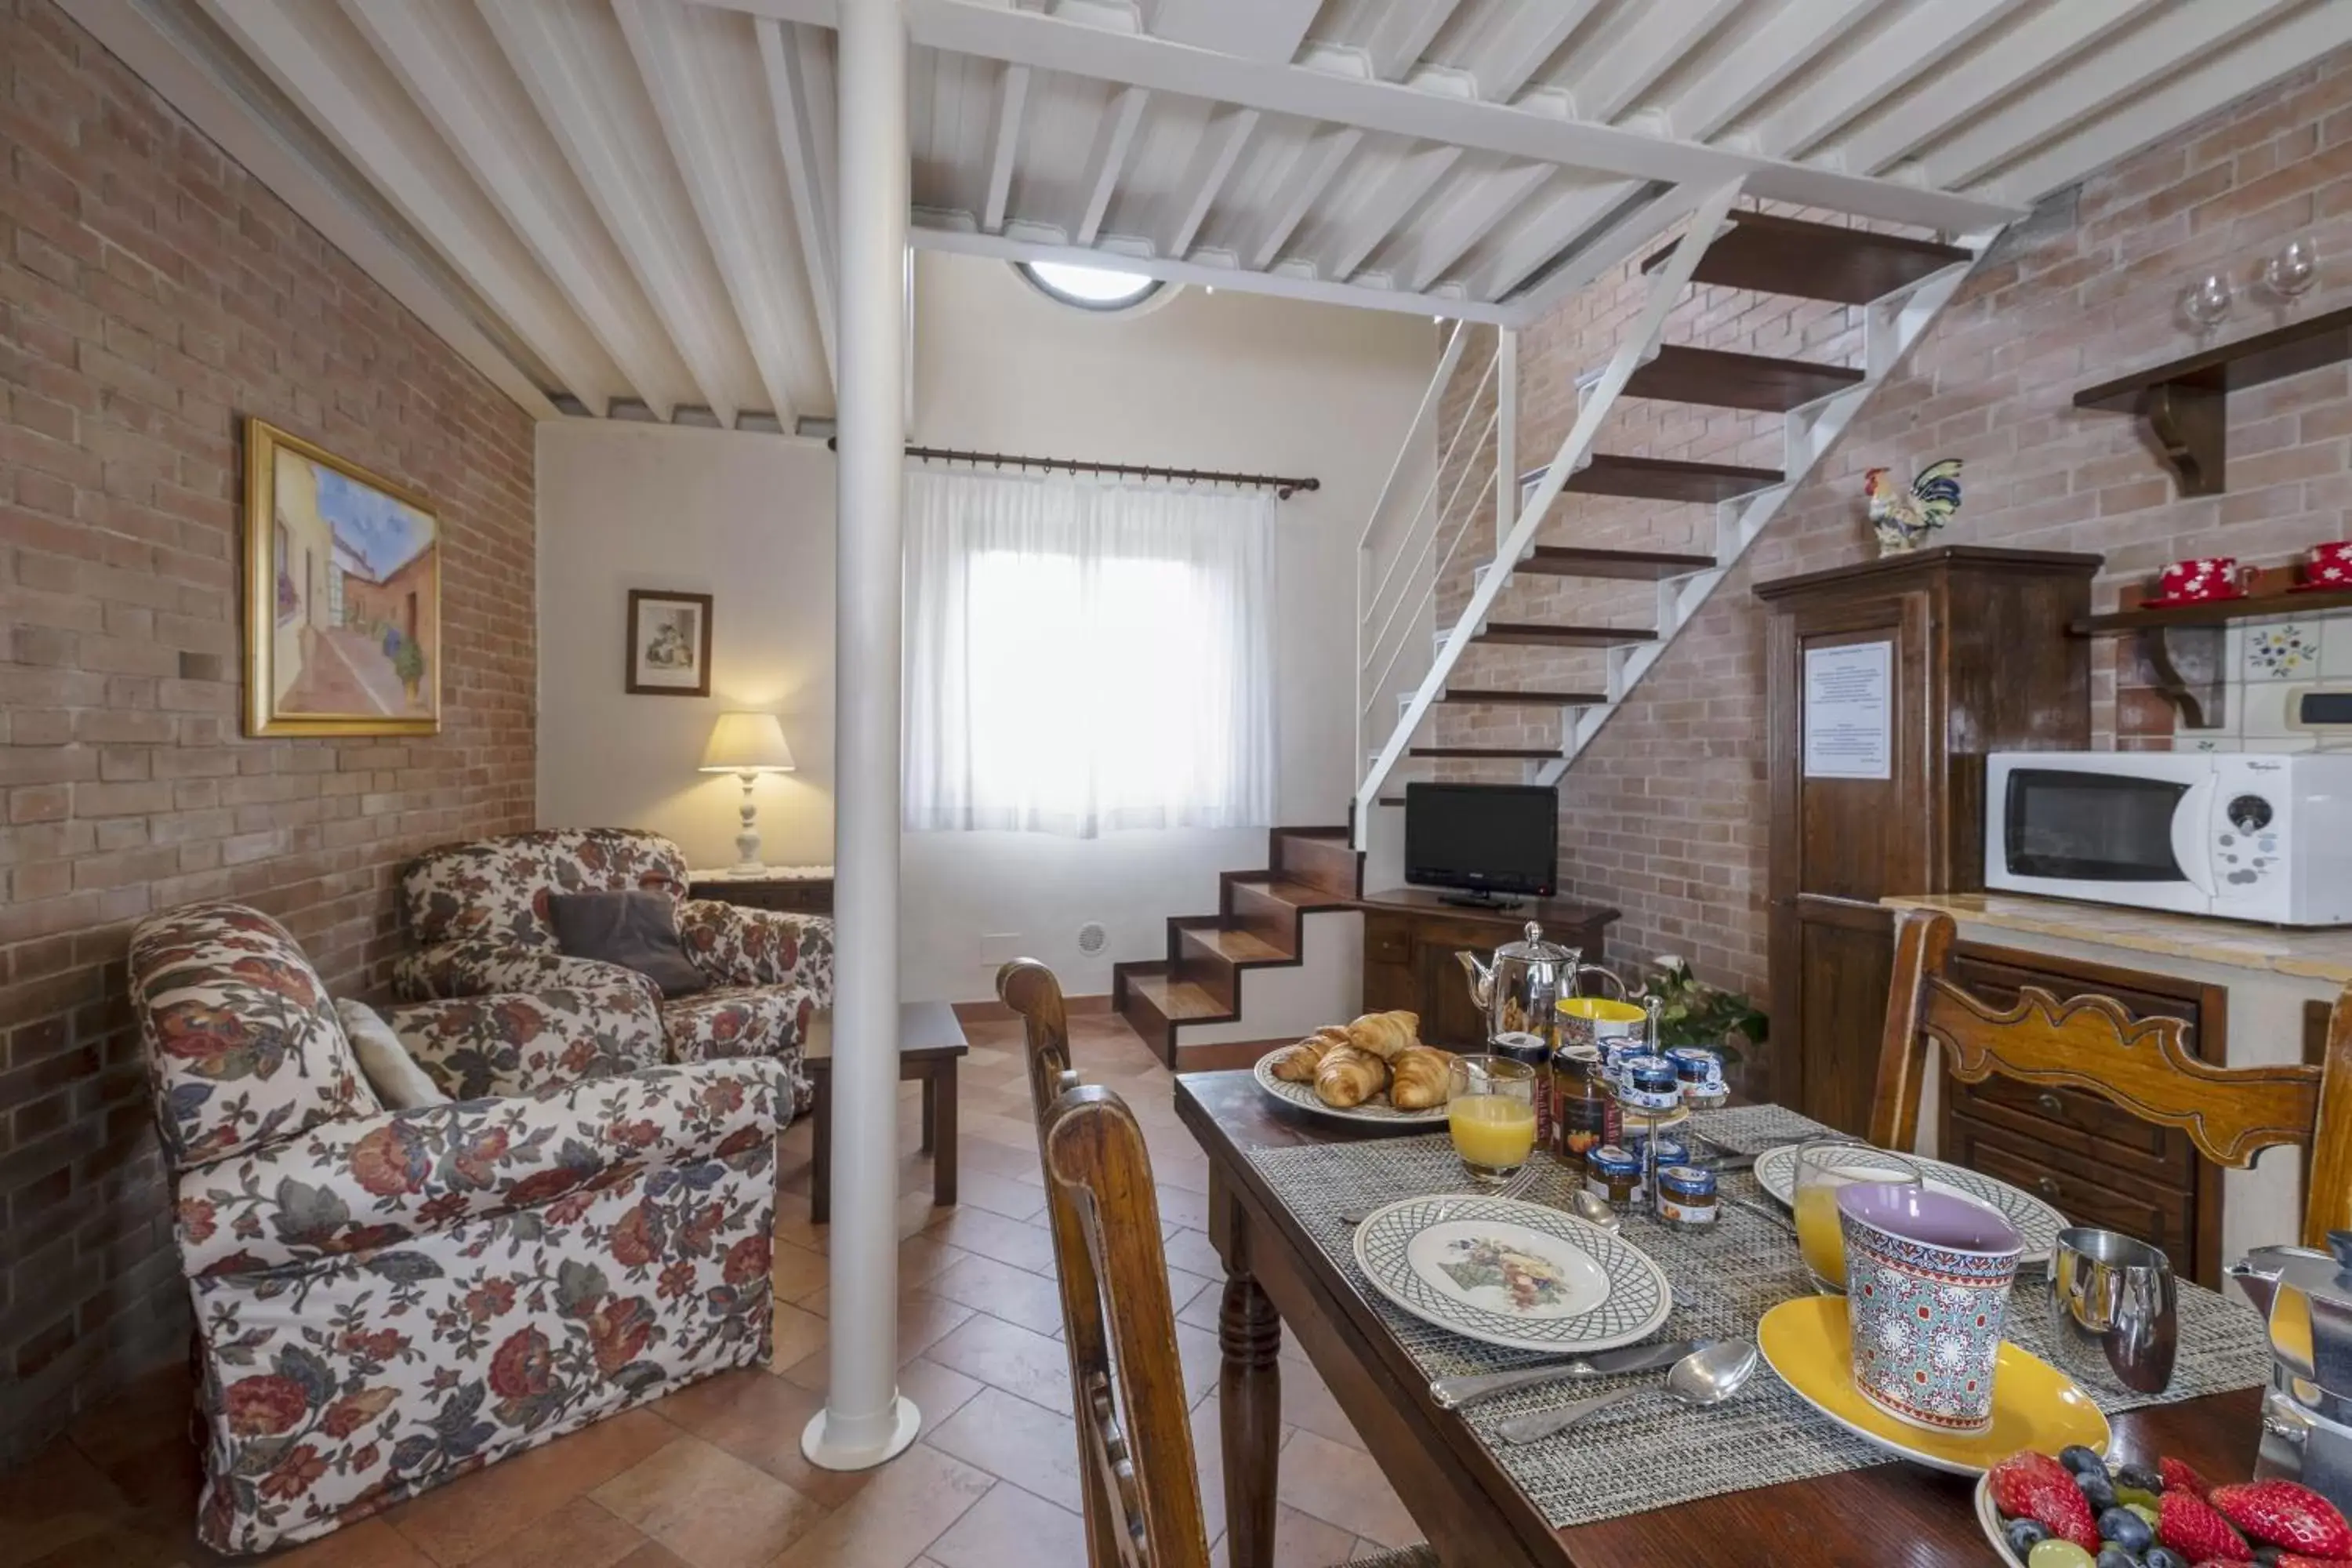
<point x="1089" y="288"/>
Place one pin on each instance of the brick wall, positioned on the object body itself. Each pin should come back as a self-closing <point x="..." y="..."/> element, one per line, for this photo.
<point x="151" y="294"/>
<point x="1665" y="813"/>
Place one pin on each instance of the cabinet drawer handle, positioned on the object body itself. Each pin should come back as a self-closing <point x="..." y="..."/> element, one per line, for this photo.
<point x="2048" y="1185"/>
<point x="2050" y="1105"/>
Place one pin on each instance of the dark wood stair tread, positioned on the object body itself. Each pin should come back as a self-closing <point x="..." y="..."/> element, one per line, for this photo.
<point x="1575" y="561"/>
<point x="1524" y="699"/>
<point x="1667" y="479"/>
<point x="1774" y="254"/>
<point x="1716" y="378"/>
<point x="1524" y="753"/>
<point x="1237" y="945"/>
<point x="1177" y="1001"/>
<point x="1529" y="634"/>
<point x="1302" y="895"/>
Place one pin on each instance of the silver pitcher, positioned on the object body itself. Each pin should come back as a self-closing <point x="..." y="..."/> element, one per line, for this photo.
<point x="1518" y="988"/>
<point x="2306" y="1296"/>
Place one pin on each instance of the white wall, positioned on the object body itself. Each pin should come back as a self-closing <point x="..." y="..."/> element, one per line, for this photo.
<point x="1228" y="380"/>
<point x="747" y="518"/>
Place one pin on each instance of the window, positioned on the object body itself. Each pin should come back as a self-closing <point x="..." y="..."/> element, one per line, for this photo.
<point x="1085" y="657"/>
<point x="1089" y="288"/>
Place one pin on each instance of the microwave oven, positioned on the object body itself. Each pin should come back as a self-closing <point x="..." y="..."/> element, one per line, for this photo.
<point x="2249" y="835"/>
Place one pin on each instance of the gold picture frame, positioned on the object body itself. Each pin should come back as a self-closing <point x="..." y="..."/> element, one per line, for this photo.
<point x="343" y="596"/>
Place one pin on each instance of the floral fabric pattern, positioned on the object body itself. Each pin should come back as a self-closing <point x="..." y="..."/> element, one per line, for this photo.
<point x="243" y="1044"/>
<point x="516" y="1041"/>
<point x="732" y="1021"/>
<point x="479" y="966"/>
<point x="497" y="888"/>
<point x="737" y="946"/>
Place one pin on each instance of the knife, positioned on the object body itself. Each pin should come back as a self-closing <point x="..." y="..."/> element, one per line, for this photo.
<point x="1454" y="1392"/>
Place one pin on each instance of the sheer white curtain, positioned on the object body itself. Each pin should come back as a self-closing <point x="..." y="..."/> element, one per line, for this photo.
<point x="1084" y="657"/>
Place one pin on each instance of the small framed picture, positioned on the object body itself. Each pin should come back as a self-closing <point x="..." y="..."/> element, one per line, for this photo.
<point x="670" y="644"/>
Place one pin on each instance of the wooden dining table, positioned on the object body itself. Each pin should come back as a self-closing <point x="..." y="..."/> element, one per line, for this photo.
<point x="1276" y="1277"/>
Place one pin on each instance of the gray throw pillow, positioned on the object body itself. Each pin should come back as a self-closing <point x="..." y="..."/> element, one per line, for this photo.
<point x="634" y="930"/>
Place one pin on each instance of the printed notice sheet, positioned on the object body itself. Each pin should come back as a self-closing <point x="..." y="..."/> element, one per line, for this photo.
<point x="1850" y="712"/>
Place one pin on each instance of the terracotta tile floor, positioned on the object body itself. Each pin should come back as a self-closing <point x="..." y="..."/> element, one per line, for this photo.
<point x="711" y="1476"/>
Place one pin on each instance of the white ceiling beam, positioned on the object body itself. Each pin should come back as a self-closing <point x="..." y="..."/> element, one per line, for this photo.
<point x="1468" y="212"/>
<point x="1214" y="158"/>
<point x="489" y="259"/>
<point x="438" y="72"/>
<point x="927" y="235"/>
<point x="1402" y="32"/>
<point x="1005" y="144"/>
<point x="2040" y="44"/>
<point x="1792" y="40"/>
<point x="2119" y="71"/>
<point x="192" y="83"/>
<point x="1400" y="189"/>
<point x="1899" y="56"/>
<point x="2185" y="100"/>
<point x="1628" y="237"/>
<point x="1523" y="44"/>
<point x="1545" y="230"/>
<point x="1107" y="162"/>
<point x="1312" y="169"/>
<point x="796" y="95"/>
<point x="611" y="167"/>
<point x="733" y="196"/>
<point x="965" y="27"/>
<point x="1254" y="29"/>
<point x="1664" y="34"/>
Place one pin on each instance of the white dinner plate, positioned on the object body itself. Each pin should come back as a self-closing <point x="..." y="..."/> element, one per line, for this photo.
<point x="1513" y="1274"/>
<point x="2036" y="1222"/>
<point x="1377" y="1109"/>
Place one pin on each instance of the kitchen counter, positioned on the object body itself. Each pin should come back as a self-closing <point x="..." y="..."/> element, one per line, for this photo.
<point x="2323" y="953"/>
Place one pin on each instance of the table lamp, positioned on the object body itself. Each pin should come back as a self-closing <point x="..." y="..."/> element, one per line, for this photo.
<point x="747" y="745"/>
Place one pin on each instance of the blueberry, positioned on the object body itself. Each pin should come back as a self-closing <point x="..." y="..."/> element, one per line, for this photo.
<point x="2114" y="1556"/>
<point x="2162" y="1557"/>
<point x="2079" y="1459"/>
<point x="2097" y="1491"/>
<point x="2126" y="1529"/>
<point x="2140" y="1478"/>
<point x="2024" y="1535"/>
<point x="2268" y="1555"/>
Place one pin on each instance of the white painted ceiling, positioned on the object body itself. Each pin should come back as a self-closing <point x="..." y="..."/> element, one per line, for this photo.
<point x="623" y="207"/>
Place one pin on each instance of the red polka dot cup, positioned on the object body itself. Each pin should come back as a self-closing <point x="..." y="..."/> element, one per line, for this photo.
<point x="2201" y="580"/>
<point x="1927" y="1278"/>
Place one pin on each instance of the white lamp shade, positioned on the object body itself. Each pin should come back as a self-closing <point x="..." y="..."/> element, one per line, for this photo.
<point x="747" y="743"/>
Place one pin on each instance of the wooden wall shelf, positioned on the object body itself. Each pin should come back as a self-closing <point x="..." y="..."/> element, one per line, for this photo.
<point x="2184" y="400"/>
<point x="2251" y="607"/>
<point x="2184" y="648"/>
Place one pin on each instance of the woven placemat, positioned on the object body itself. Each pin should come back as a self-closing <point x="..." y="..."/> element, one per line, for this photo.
<point x="1650" y="1453"/>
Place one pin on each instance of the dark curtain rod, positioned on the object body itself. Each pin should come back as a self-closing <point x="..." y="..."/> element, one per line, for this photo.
<point x="1282" y="489"/>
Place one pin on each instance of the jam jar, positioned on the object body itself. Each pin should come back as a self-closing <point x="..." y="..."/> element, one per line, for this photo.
<point x="1613" y="1174"/>
<point x="1687" y="1195"/>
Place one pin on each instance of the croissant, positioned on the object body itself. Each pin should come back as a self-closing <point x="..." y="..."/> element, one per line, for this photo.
<point x="1385" y="1034"/>
<point x="1350" y="1076"/>
<point x="1298" y="1064"/>
<point x="1417" y="1077"/>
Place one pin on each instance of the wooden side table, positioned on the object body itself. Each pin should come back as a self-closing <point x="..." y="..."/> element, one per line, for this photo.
<point x="930" y="1043"/>
<point x="801" y="894"/>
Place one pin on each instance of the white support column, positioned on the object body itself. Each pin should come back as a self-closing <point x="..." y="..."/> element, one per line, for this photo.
<point x="1506" y="433"/>
<point x="864" y="1421"/>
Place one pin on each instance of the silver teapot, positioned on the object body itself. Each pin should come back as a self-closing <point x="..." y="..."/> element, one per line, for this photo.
<point x="2306" y="1296"/>
<point x="1518" y="988"/>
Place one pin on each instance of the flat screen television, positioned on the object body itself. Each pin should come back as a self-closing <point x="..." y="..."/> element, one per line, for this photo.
<point x="1493" y="843"/>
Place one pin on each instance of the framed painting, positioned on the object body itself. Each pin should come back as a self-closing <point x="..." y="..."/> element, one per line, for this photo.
<point x="670" y="644"/>
<point x="343" y="586"/>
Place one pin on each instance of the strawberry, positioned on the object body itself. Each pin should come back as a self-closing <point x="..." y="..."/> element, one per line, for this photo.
<point x="2034" y="1486"/>
<point x="2297" y="1560"/>
<point x="2180" y="1475"/>
<point x="2281" y="1514"/>
<point x="2190" y="1526"/>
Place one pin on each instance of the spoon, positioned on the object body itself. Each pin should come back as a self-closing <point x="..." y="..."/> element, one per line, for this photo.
<point x="1705" y="1376"/>
<point x="1593" y="1209"/>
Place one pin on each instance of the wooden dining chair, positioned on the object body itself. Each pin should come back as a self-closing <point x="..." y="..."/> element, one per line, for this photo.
<point x="2142" y="1065"/>
<point x="1140" y="1491"/>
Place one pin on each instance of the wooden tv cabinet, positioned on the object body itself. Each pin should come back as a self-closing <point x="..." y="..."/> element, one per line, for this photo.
<point x="1411" y="937"/>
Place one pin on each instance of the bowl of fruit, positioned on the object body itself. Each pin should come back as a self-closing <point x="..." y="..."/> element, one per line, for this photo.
<point x="2073" y="1509"/>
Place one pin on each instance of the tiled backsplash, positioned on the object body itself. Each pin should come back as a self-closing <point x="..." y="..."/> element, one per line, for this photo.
<point x="2270" y="664"/>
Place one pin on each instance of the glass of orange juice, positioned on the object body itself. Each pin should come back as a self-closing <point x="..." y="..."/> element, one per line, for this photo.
<point x="1822" y="1169"/>
<point x="1490" y="1106"/>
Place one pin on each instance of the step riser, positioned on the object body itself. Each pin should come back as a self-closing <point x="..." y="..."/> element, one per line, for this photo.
<point x="1148" y="1022"/>
<point x="1206" y="967"/>
<point x="1325" y="863"/>
<point x="1270" y="920"/>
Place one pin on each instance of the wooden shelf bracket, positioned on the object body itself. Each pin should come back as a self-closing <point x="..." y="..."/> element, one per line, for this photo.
<point x="2191" y="424"/>
<point x="2187" y="660"/>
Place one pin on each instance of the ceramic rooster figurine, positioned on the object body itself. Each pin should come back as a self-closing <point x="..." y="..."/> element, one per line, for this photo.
<point x="1904" y="519"/>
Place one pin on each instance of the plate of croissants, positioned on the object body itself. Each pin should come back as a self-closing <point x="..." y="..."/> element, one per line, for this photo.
<point x="1374" y="1070"/>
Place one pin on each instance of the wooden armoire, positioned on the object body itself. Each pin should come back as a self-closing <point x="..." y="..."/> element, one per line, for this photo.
<point x="1919" y="665"/>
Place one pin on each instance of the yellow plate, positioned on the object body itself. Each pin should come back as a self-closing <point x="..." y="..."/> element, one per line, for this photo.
<point x="2034" y="1406"/>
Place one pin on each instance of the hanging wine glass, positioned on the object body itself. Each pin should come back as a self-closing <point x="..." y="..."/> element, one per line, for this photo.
<point x="2207" y="303"/>
<point x="2293" y="268"/>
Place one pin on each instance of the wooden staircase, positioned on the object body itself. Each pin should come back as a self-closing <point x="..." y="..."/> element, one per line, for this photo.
<point x="1257" y="927"/>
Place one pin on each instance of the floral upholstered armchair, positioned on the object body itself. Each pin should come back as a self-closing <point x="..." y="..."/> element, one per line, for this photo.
<point x="385" y="1299"/>
<point x="479" y="915"/>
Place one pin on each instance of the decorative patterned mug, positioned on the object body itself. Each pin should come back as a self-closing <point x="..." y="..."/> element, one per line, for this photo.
<point x="1927" y="1284"/>
<point x="2328" y="568"/>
